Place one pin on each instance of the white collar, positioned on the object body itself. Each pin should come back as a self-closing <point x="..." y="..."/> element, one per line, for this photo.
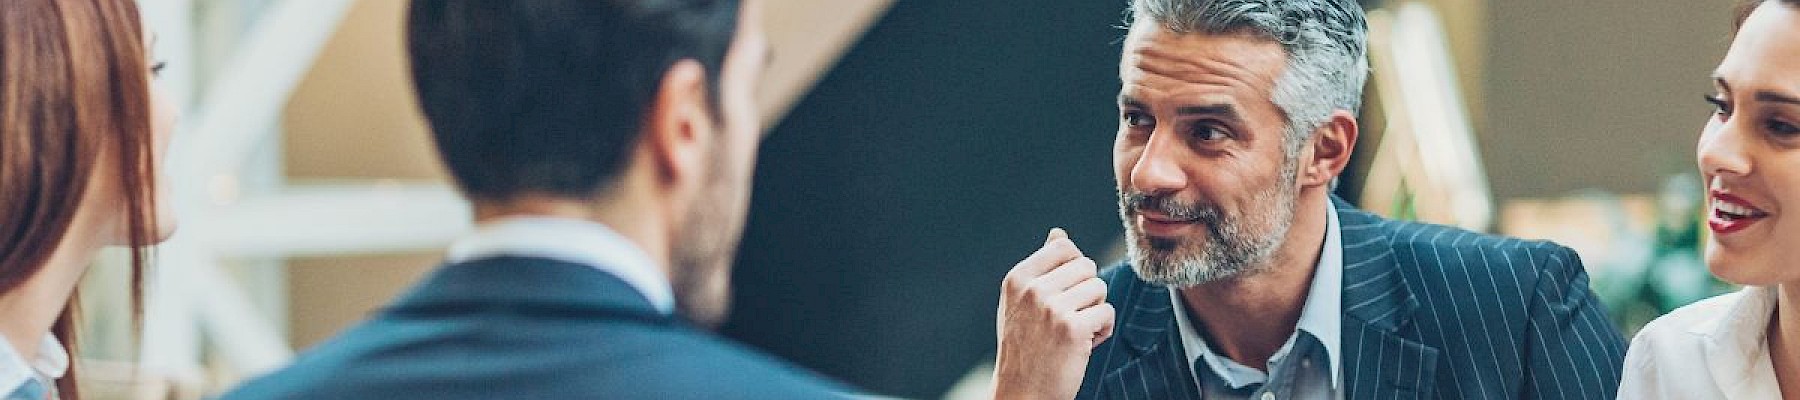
<point x="573" y="241"/>
<point x="1322" y="316"/>
<point x="1736" y="346"/>
<point x="51" y="364"/>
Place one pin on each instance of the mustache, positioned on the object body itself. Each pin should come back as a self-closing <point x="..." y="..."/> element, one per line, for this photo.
<point x="1135" y="203"/>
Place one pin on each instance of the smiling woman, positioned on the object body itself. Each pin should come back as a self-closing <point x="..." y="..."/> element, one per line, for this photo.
<point x="1749" y="152"/>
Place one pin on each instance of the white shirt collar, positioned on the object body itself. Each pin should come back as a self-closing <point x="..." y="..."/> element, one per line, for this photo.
<point x="1737" y="347"/>
<point x="51" y="364"/>
<point x="573" y="241"/>
<point x="1322" y="316"/>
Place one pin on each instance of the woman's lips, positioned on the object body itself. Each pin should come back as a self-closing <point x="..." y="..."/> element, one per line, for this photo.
<point x="1730" y="214"/>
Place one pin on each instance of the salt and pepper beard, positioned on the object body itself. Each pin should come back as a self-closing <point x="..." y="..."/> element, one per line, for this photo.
<point x="1235" y="245"/>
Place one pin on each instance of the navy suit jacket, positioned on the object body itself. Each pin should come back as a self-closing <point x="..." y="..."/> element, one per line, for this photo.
<point x="1428" y="312"/>
<point x="528" y="328"/>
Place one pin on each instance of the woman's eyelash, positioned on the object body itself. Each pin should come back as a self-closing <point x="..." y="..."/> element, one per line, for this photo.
<point x="1718" y="102"/>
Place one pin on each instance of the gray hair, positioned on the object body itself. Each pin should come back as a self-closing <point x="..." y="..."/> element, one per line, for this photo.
<point x="1326" y="42"/>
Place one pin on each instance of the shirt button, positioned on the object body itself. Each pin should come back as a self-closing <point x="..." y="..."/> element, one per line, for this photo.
<point x="1268" y="396"/>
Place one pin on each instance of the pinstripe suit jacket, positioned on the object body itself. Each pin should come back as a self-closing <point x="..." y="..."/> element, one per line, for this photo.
<point x="1429" y="312"/>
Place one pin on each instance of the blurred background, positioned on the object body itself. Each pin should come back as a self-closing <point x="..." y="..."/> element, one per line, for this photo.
<point x="919" y="149"/>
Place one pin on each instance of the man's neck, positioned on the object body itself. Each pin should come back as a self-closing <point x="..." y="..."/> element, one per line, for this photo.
<point x="634" y="223"/>
<point x="1249" y="318"/>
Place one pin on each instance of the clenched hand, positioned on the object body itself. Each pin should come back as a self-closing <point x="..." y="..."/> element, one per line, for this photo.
<point x="1053" y="312"/>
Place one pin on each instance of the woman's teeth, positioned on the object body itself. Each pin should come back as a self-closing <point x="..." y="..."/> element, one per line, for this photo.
<point x="1735" y="211"/>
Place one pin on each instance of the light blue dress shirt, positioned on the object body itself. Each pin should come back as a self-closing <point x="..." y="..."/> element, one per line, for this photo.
<point x="36" y="379"/>
<point x="1307" y="366"/>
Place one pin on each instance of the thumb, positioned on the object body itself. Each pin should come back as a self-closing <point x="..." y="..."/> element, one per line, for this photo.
<point x="1056" y="233"/>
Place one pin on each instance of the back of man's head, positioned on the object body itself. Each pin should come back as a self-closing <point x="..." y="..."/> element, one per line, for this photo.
<point x="547" y="97"/>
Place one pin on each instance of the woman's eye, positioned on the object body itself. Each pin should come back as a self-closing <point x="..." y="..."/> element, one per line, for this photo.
<point x="1780" y="128"/>
<point x="1137" y="119"/>
<point x="1720" y="106"/>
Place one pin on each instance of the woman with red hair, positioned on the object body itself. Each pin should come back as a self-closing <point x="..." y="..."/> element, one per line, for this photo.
<point x="81" y="136"/>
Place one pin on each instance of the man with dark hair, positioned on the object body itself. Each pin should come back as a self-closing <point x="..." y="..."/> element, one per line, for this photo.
<point x="607" y="148"/>
<point x="1247" y="279"/>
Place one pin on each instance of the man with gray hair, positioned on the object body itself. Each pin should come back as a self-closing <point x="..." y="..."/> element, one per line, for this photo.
<point x="1247" y="279"/>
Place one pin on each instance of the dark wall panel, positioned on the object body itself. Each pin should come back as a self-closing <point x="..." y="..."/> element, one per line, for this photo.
<point x="893" y="198"/>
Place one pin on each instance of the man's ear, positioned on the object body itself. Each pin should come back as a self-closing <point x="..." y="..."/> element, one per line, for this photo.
<point x="677" y="122"/>
<point x="1332" y="145"/>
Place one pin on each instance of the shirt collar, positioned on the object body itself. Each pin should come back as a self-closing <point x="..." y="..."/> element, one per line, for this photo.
<point x="51" y="364"/>
<point x="1737" y="345"/>
<point x="1321" y="317"/>
<point x="573" y="241"/>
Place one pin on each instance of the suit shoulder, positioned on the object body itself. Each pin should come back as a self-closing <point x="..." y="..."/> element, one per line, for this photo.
<point x="588" y="360"/>
<point x="1448" y="237"/>
<point x="698" y="363"/>
<point x="1449" y="249"/>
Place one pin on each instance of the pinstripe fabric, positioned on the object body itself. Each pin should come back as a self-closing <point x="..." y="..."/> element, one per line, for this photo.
<point x="1429" y="312"/>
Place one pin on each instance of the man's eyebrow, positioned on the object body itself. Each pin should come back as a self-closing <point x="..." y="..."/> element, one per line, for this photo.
<point x="1224" y="109"/>
<point x="1126" y="101"/>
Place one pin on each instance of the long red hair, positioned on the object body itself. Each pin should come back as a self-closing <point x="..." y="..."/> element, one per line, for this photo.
<point x="73" y="88"/>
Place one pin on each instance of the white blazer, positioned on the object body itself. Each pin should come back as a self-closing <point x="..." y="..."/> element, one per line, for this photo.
<point x="1712" y="349"/>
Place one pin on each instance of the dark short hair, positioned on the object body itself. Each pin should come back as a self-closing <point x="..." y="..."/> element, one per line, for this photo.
<point x="547" y="96"/>
<point x="1749" y="6"/>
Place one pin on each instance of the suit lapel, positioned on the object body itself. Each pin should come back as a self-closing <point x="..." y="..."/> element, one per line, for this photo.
<point x="1150" y="362"/>
<point x="1378" y="361"/>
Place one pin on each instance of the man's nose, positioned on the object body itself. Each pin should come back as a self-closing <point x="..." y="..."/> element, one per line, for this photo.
<point x="1158" y="168"/>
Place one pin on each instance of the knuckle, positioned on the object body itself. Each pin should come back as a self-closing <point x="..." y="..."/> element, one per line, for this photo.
<point x="1036" y="295"/>
<point x="1010" y="283"/>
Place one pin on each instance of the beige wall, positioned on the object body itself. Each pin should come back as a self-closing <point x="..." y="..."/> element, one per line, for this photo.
<point x="1466" y="25"/>
<point x="354" y="115"/>
<point x="1596" y="93"/>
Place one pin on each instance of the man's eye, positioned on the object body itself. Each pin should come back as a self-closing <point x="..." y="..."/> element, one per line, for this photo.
<point x="1137" y="119"/>
<point x="1210" y="132"/>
